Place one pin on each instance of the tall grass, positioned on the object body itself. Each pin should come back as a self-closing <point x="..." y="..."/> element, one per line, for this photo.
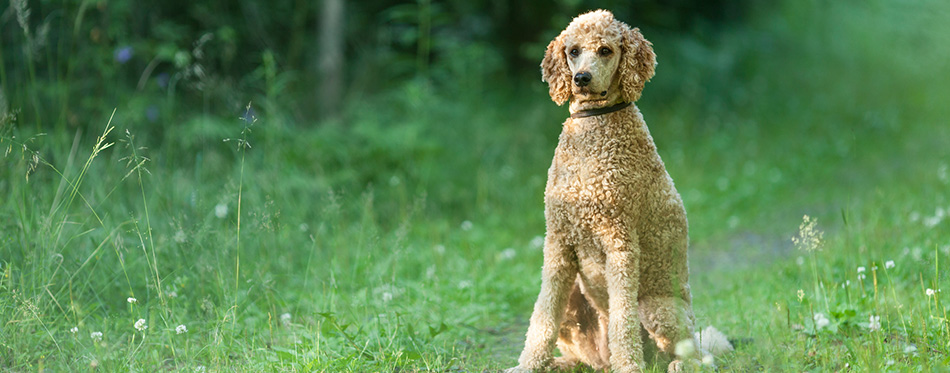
<point x="409" y="239"/>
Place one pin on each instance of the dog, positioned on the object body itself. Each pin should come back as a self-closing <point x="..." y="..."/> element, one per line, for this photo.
<point x="615" y="271"/>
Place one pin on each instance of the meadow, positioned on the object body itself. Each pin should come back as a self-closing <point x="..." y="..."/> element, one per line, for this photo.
<point x="814" y="165"/>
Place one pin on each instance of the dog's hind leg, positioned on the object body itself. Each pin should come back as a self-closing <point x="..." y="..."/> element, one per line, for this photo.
<point x="583" y="334"/>
<point x="669" y="320"/>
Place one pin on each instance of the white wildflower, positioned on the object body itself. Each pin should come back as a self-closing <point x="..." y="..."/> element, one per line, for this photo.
<point x="684" y="348"/>
<point x="861" y="269"/>
<point x="200" y="369"/>
<point x="140" y="325"/>
<point x="889" y="264"/>
<point x="131" y="300"/>
<point x="508" y="253"/>
<point x="910" y="349"/>
<point x="96" y="336"/>
<point x="733" y="222"/>
<point x="930" y="292"/>
<point x="285" y="319"/>
<point x="74" y="330"/>
<point x="179" y="236"/>
<point x="875" y="323"/>
<point x="181" y="329"/>
<point x="932" y="221"/>
<point x="467" y="225"/>
<point x="889" y="362"/>
<point x="537" y="242"/>
<point x="387" y="296"/>
<point x="861" y="276"/>
<point x="821" y="321"/>
<point x="173" y="294"/>
<point x="221" y="210"/>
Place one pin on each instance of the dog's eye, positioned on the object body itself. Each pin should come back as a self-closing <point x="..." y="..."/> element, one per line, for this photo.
<point x="604" y="51"/>
<point x="574" y="52"/>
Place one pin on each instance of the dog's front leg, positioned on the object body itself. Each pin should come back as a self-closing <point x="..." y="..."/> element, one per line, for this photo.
<point x="557" y="278"/>
<point x="623" y="281"/>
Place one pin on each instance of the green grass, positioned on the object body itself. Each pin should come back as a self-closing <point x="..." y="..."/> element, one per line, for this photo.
<point x="406" y="239"/>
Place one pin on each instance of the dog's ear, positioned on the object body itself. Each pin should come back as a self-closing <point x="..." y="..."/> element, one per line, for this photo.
<point x="555" y="71"/>
<point x="637" y="64"/>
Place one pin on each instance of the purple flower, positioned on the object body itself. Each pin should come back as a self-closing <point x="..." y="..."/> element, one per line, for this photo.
<point x="162" y="80"/>
<point x="151" y="113"/>
<point x="249" y="115"/>
<point x="123" y="54"/>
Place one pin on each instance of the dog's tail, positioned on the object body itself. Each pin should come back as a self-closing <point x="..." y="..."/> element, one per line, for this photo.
<point x="713" y="342"/>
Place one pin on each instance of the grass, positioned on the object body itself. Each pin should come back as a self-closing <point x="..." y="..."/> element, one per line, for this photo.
<point x="409" y="241"/>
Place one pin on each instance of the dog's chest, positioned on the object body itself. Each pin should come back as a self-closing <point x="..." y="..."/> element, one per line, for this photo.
<point x="590" y="165"/>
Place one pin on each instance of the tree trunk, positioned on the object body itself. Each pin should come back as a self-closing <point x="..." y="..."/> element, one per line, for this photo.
<point x="330" y="89"/>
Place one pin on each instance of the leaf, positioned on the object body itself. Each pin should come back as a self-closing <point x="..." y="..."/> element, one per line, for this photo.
<point x="436" y="331"/>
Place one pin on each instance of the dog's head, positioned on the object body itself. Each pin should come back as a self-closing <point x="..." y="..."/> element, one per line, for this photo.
<point x="594" y="55"/>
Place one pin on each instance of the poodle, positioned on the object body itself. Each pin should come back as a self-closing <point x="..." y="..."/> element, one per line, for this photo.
<point x="615" y="276"/>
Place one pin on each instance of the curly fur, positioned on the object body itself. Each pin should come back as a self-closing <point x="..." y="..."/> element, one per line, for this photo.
<point x="615" y="271"/>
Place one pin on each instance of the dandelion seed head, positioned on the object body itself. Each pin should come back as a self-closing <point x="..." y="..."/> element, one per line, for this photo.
<point x="821" y="321"/>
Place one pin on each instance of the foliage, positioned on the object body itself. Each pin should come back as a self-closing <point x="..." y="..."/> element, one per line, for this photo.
<point x="406" y="236"/>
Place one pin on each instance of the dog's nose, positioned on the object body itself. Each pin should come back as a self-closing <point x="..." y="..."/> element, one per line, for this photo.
<point x="582" y="79"/>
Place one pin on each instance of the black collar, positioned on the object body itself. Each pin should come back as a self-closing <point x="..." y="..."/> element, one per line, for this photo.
<point x="600" y="111"/>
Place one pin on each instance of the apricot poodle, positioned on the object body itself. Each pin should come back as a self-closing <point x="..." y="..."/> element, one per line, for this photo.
<point x="615" y="271"/>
